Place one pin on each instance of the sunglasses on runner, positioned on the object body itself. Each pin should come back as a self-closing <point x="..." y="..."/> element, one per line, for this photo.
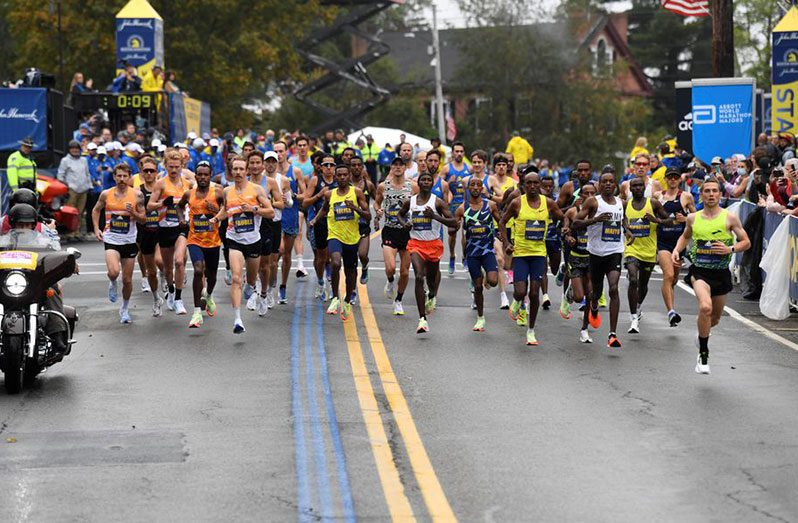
<point x="149" y="171"/>
<point x="328" y="164"/>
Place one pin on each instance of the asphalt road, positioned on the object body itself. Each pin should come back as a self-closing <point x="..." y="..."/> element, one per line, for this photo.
<point x="304" y="419"/>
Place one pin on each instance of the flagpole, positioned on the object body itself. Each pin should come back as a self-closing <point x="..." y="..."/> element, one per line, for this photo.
<point x="722" y="13"/>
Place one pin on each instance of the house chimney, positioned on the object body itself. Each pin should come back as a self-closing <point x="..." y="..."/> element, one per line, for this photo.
<point x="621" y="23"/>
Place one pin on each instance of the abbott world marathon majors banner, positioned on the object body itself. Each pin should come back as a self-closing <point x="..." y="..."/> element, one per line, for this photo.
<point x="723" y="117"/>
<point x="23" y="113"/>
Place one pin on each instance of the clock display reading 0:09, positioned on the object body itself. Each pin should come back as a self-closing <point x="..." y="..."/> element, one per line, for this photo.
<point x="133" y="101"/>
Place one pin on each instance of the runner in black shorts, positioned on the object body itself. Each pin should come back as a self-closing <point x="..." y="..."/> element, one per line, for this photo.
<point x="148" y="232"/>
<point x="711" y="250"/>
<point x="361" y="181"/>
<point x="578" y="262"/>
<point x="677" y="204"/>
<point x="317" y="190"/>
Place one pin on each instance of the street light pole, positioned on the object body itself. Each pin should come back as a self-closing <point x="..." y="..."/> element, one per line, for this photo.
<point x="438" y="81"/>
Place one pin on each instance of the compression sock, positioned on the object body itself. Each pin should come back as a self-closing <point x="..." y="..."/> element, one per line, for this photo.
<point x="178" y="294"/>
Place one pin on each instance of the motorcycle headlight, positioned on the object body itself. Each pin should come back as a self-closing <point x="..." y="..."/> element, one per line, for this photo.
<point x="16" y="283"/>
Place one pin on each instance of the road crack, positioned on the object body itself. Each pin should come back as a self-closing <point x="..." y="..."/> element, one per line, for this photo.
<point x="758" y="487"/>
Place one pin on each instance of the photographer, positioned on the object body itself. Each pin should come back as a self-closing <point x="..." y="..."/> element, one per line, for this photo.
<point x="127" y="81"/>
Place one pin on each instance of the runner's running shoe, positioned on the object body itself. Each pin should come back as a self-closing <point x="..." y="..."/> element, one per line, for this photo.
<point x="546" y="303"/>
<point x="113" y="293"/>
<point x="515" y="309"/>
<point x="584" y="337"/>
<point x="423" y="326"/>
<point x="530" y="337"/>
<point x="522" y="318"/>
<point x="479" y="326"/>
<point x="346" y="311"/>
<point x="334" y="307"/>
<point x="594" y="318"/>
<point x="196" y="320"/>
<point x="702" y="363"/>
<point x="565" y="309"/>
<point x="398" y="310"/>
<point x="180" y="309"/>
<point x="613" y="341"/>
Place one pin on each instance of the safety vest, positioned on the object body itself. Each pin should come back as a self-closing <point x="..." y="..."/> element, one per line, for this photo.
<point x="370" y="152"/>
<point x="20" y="169"/>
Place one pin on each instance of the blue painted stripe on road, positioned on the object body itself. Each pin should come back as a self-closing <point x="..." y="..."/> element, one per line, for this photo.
<point x="326" y="508"/>
<point x="304" y="508"/>
<point x="344" y="487"/>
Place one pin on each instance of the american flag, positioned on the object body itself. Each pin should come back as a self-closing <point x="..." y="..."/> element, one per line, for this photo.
<point x="687" y="7"/>
<point x="451" y="127"/>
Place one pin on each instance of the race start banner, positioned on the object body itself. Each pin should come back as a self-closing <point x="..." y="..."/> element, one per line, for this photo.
<point x="684" y="115"/>
<point x="23" y="113"/>
<point x="784" y="73"/>
<point x="139" y="36"/>
<point x="723" y="117"/>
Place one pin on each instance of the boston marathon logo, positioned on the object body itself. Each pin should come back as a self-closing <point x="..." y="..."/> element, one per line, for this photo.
<point x="535" y="230"/>
<point x="13" y="113"/>
<point x="135" y="44"/>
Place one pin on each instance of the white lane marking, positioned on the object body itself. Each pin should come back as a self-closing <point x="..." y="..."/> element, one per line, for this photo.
<point x="749" y="323"/>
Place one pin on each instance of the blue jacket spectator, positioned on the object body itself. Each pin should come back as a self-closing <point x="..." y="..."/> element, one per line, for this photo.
<point x="386" y="156"/>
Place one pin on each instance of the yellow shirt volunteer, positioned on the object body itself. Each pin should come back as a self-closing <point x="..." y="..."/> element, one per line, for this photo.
<point x="529" y="230"/>
<point x="342" y="222"/>
<point x="644" y="247"/>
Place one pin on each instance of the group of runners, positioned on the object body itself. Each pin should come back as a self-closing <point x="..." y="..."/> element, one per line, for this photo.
<point x="514" y="228"/>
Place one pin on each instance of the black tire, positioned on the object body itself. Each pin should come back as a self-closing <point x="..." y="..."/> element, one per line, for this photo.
<point x="14" y="364"/>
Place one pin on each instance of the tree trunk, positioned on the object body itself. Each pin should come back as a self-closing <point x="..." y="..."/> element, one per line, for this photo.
<point x="722" y="12"/>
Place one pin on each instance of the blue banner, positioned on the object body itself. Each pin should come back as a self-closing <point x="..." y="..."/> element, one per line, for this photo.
<point x="793" y="269"/>
<point x="772" y="222"/>
<point x="187" y="115"/>
<point x="139" y="41"/>
<point x="767" y="116"/>
<point x="23" y="112"/>
<point x="723" y="117"/>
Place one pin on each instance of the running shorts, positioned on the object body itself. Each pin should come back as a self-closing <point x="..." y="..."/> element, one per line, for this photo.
<point x="251" y="250"/>
<point x="277" y="237"/>
<point x="126" y="251"/>
<point x="148" y="241"/>
<point x="365" y="229"/>
<point x="395" y="238"/>
<point x="719" y="280"/>
<point x="526" y="267"/>
<point x="348" y="252"/>
<point x="486" y="262"/>
<point x="641" y="265"/>
<point x="318" y="234"/>
<point x="605" y="264"/>
<point x="210" y="255"/>
<point x="553" y="246"/>
<point x="430" y="251"/>
<point x="579" y="266"/>
<point x="167" y="236"/>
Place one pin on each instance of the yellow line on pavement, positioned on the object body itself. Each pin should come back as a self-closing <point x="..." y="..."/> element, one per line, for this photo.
<point x="398" y="504"/>
<point x="434" y="497"/>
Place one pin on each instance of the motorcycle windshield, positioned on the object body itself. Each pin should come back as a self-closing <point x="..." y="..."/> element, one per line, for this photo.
<point x="29" y="240"/>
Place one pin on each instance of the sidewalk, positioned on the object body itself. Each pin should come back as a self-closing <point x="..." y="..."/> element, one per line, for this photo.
<point x="750" y="309"/>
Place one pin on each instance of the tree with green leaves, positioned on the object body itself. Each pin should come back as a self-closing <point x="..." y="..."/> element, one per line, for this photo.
<point x="223" y="52"/>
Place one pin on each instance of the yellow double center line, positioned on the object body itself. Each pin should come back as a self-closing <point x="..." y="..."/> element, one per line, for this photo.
<point x="438" y="507"/>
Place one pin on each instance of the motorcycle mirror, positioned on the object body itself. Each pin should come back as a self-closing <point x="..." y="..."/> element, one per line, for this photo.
<point x="74" y="252"/>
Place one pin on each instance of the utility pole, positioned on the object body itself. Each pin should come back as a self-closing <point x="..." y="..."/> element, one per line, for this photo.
<point x="722" y="12"/>
<point x="436" y="45"/>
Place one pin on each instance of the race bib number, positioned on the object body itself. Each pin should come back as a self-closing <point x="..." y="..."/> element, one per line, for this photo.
<point x="478" y="232"/>
<point x="421" y="222"/>
<point x="171" y="215"/>
<point x="705" y="257"/>
<point x="152" y="220"/>
<point x="534" y="230"/>
<point x="391" y="214"/>
<point x="342" y="213"/>
<point x="611" y="231"/>
<point x="581" y="240"/>
<point x="244" y="222"/>
<point x="201" y="223"/>
<point x="676" y="228"/>
<point x="119" y="224"/>
<point x="457" y="187"/>
<point x="551" y="233"/>
<point x="640" y="228"/>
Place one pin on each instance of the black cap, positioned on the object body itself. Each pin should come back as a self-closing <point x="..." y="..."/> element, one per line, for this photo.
<point x="608" y="169"/>
<point x="699" y="174"/>
<point x="673" y="172"/>
<point x="22" y="213"/>
<point x="397" y="159"/>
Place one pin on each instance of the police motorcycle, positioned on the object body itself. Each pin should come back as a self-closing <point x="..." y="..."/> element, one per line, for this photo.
<point x="35" y="327"/>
